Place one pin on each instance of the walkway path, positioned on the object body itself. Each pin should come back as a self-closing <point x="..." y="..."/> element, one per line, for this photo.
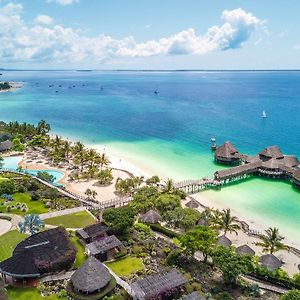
<point x="62" y="212"/>
<point x="57" y="277"/>
<point x="126" y="286"/>
<point x="15" y="220"/>
<point x="265" y="285"/>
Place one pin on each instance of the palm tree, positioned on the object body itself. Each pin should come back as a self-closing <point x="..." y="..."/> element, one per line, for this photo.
<point x="169" y="186"/>
<point x="43" y="128"/>
<point x="94" y="194"/>
<point x="80" y="154"/>
<point x="67" y="149"/>
<point x="103" y="161"/>
<point x="88" y="193"/>
<point x="32" y="224"/>
<point x="271" y="241"/>
<point x="92" y="158"/>
<point x="227" y="222"/>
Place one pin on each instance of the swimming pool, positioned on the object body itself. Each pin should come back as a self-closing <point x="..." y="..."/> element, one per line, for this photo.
<point x="12" y="162"/>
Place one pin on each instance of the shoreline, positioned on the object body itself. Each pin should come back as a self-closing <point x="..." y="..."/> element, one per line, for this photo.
<point x="13" y="87"/>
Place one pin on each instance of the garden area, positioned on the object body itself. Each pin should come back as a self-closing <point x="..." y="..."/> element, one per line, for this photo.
<point x="76" y="220"/>
<point x="126" y="266"/>
<point x="22" y="195"/>
<point x="8" y="242"/>
<point x="80" y="256"/>
<point x="30" y="293"/>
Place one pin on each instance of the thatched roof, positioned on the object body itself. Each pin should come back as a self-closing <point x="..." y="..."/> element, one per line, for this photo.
<point x="91" y="276"/>
<point x="6" y="145"/>
<point x="227" y="150"/>
<point x="202" y="222"/>
<point x="224" y="241"/>
<point x="271" y="164"/>
<point x="151" y="217"/>
<point x="104" y="245"/>
<point x="192" y="204"/>
<point x="44" y="252"/>
<point x="296" y="174"/>
<point x="290" y="161"/>
<point x="245" y="250"/>
<point x="271" y="152"/>
<point x="94" y="230"/>
<point x="193" y="296"/>
<point x="270" y="262"/>
<point x="158" y="284"/>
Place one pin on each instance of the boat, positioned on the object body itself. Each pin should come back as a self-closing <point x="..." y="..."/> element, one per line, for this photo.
<point x="213" y="144"/>
<point x="156" y="92"/>
<point x="263" y="115"/>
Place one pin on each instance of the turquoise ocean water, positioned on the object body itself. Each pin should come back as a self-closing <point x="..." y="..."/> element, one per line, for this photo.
<point x="169" y="133"/>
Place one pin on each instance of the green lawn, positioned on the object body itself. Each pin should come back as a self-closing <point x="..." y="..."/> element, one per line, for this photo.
<point x="80" y="256"/>
<point x="8" y="242"/>
<point x="126" y="266"/>
<point x="34" y="207"/>
<point x="30" y="293"/>
<point x="76" y="220"/>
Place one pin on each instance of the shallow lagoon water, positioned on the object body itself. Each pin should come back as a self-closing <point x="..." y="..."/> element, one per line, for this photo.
<point x="169" y="133"/>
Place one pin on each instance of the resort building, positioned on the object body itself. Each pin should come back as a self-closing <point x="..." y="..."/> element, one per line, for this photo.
<point x="227" y="154"/>
<point x="91" y="278"/>
<point x="93" y="232"/>
<point x="151" y="217"/>
<point x="104" y="249"/>
<point x="5" y="146"/>
<point x="44" y="253"/>
<point x="268" y="163"/>
<point x="159" y="286"/>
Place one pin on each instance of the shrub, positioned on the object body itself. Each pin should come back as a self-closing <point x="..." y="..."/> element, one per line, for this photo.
<point x="291" y="295"/>
<point x="35" y="196"/>
<point x="158" y="228"/>
<point x="173" y="258"/>
<point x="224" y="296"/>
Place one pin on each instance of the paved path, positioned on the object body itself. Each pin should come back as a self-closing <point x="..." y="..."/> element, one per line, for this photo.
<point x="265" y="285"/>
<point x="62" y="212"/>
<point x="15" y="220"/>
<point x="57" y="277"/>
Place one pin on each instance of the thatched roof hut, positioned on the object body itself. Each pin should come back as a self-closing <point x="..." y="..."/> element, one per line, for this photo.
<point x="158" y="285"/>
<point x="271" y="152"/>
<point x="270" y="262"/>
<point x="202" y="222"/>
<point x="245" y="250"/>
<point x="192" y="204"/>
<point x="224" y="241"/>
<point x="94" y="231"/>
<point x="91" y="277"/>
<point x="46" y="252"/>
<point x="6" y="145"/>
<point x="151" y="217"/>
<point x="226" y="153"/>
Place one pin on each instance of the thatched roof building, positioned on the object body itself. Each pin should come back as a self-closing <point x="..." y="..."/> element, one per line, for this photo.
<point x="43" y="253"/>
<point x="203" y="222"/>
<point x="151" y="217"/>
<point x="93" y="232"/>
<point x="270" y="262"/>
<point x="224" y="241"/>
<point x="104" y="248"/>
<point x="192" y="204"/>
<point x="271" y="152"/>
<point x="158" y="285"/>
<point x="193" y="296"/>
<point x="91" y="277"/>
<point x="6" y="145"/>
<point x="227" y="153"/>
<point x="245" y="250"/>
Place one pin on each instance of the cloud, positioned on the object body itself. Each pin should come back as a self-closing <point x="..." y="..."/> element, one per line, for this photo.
<point x="43" y="20"/>
<point x="64" y="2"/>
<point x="22" y="42"/>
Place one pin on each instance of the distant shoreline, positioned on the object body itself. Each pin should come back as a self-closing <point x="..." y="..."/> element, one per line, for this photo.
<point x="12" y="86"/>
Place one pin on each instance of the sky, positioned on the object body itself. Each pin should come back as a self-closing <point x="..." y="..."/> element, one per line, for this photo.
<point x="156" y="34"/>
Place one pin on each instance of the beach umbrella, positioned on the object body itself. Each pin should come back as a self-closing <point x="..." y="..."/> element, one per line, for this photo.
<point x="245" y="250"/>
<point x="270" y="262"/>
<point x="224" y="241"/>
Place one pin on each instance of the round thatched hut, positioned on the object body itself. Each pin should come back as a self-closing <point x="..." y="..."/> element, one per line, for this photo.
<point x="270" y="262"/>
<point x="92" y="277"/>
<point x="151" y="217"/>
<point x="224" y="241"/>
<point x="245" y="250"/>
<point x="227" y="154"/>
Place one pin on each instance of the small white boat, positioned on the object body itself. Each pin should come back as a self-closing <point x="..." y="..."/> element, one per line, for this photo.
<point x="263" y="115"/>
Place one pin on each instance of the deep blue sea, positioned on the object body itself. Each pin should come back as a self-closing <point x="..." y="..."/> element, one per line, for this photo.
<point x="169" y="133"/>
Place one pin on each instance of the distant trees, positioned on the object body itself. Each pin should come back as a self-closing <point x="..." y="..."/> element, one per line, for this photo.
<point x="272" y="241"/>
<point x="231" y="264"/>
<point x="119" y="219"/>
<point x="201" y="239"/>
<point x="32" y="224"/>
